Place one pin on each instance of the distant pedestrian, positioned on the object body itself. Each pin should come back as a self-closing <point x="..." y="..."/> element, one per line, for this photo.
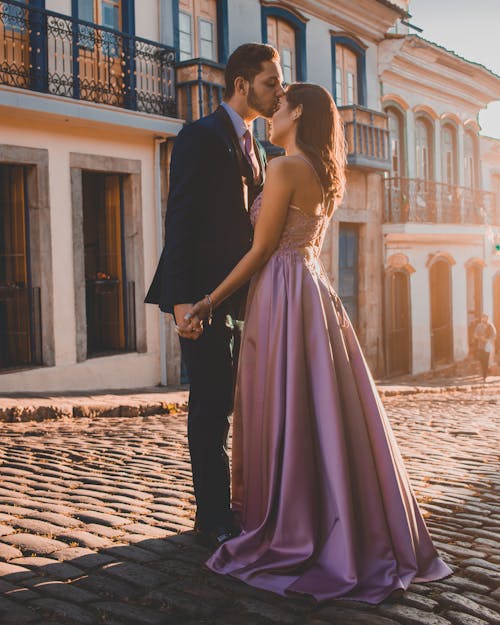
<point x="485" y="335"/>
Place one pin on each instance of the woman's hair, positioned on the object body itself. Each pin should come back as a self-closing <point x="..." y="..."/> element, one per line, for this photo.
<point x="320" y="135"/>
<point x="246" y="61"/>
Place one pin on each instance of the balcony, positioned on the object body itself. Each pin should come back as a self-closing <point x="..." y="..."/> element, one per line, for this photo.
<point x="424" y="201"/>
<point x="367" y="138"/>
<point x="53" y="53"/>
<point x="200" y="87"/>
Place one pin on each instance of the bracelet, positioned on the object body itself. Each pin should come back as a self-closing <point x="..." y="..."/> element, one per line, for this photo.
<point x="211" y="313"/>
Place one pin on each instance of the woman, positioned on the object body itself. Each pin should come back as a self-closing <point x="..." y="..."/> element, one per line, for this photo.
<point x="325" y="503"/>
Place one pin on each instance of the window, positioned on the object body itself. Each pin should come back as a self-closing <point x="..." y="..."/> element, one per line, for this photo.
<point x="185" y="36"/>
<point x="424" y="151"/>
<point x="207" y="48"/>
<point x="396" y="142"/>
<point x="105" y="13"/>
<point x="198" y="29"/>
<point x="285" y="29"/>
<point x="449" y="172"/>
<point x="281" y="35"/>
<point x="470" y="160"/>
<point x="13" y="17"/>
<point x="346" y="76"/>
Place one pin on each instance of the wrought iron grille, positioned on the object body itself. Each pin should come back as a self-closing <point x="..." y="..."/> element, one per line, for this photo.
<point x="417" y="200"/>
<point x="54" y="53"/>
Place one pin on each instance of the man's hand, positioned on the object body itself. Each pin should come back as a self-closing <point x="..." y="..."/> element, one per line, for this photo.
<point x="187" y="326"/>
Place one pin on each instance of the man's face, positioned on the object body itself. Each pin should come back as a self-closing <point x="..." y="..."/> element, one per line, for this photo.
<point x="266" y="89"/>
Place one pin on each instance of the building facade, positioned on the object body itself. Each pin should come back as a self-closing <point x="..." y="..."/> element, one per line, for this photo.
<point x="441" y="217"/>
<point x="92" y="95"/>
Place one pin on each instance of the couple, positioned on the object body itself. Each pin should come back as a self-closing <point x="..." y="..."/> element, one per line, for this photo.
<point x="321" y="504"/>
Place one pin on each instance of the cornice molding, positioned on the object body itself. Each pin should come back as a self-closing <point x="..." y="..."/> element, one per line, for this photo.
<point x="393" y="98"/>
<point x="287" y="7"/>
<point x="366" y="19"/>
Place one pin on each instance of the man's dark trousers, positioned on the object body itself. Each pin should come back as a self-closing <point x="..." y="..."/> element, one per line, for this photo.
<point x="211" y="362"/>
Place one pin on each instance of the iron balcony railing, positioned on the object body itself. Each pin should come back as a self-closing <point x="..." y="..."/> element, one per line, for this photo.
<point x="53" y="53"/>
<point x="20" y="326"/>
<point x="367" y="137"/>
<point x="421" y="201"/>
<point x="200" y="88"/>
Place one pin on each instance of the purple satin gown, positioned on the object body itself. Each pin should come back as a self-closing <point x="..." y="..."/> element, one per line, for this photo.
<point x="318" y="479"/>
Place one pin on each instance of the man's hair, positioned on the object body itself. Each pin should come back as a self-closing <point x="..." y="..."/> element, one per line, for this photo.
<point x="246" y="61"/>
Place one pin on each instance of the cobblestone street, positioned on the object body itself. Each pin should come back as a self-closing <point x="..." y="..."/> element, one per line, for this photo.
<point x="96" y="513"/>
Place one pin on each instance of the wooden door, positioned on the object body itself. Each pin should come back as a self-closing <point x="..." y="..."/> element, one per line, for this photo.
<point x="441" y="313"/>
<point x="16" y="319"/>
<point x="348" y="269"/>
<point x="104" y="263"/>
<point x="398" y="323"/>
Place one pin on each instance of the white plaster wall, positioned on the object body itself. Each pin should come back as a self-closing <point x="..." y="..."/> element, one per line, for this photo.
<point x="147" y="19"/>
<point x="244" y="22"/>
<point x="459" y="306"/>
<point x="60" y="138"/>
<point x="319" y="53"/>
<point x="420" y="315"/>
<point x="372" y="81"/>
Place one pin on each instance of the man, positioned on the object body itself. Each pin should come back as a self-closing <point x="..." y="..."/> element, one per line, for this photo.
<point x="217" y="169"/>
<point x="485" y="335"/>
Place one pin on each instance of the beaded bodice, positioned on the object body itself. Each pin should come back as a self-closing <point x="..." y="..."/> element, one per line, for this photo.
<point x="303" y="232"/>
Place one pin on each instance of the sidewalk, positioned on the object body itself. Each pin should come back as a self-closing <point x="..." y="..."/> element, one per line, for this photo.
<point x="19" y="407"/>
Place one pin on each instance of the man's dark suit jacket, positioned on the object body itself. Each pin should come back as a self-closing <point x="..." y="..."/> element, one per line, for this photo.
<point x="207" y="226"/>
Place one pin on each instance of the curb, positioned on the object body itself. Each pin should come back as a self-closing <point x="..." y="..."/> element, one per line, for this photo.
<point x="16" y="414"/>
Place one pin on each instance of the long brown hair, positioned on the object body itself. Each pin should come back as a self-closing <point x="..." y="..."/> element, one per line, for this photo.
<point x="320" y="135"/>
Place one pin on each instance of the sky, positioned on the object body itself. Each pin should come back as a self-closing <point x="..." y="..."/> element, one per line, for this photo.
<point x="472" y="30"/>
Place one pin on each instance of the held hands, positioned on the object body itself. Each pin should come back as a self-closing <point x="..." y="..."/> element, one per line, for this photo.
<point x="191" y="317"/>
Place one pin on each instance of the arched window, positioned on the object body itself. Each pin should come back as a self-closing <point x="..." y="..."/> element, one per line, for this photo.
<point x="349" y="79"/>
<point x="285" y="29"/>
<point x="424" y="146"/>
<point x="449" y="155"/>
<point x="470" y="160"/>
<point x="396" y="138"/>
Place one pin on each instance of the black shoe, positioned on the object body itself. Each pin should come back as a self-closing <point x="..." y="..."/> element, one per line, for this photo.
<point x="213" y="538"/>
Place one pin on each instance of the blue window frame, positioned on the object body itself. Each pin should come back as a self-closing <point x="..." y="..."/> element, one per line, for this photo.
<point x="299" y="26"/>
<point x="360" y="53"/>
<point x="222" y="31"/>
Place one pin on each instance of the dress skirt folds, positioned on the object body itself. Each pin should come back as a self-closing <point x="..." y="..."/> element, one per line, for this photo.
<point x="326" y="506"/>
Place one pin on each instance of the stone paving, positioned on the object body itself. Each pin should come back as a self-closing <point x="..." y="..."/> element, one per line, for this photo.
<point x="96" y="513"/>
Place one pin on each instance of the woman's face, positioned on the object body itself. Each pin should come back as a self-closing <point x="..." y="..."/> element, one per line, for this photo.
<point x="282" y="123"/>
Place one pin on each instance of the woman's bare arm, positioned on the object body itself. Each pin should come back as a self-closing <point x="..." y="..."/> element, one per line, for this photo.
<point x="278" y="191"/>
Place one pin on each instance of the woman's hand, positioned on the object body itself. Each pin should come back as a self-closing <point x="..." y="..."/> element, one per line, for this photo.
<point x="200" y="310"/>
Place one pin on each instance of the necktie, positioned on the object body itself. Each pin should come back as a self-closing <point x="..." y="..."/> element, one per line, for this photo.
<point x="250" y="154"/>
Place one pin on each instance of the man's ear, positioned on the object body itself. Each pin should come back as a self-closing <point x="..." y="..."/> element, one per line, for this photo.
<point x="241" y="86"/>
